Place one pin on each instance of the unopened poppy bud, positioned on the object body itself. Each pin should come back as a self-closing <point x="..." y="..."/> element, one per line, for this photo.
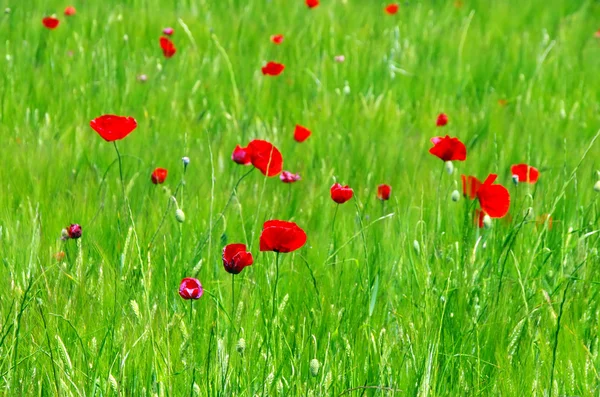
<point x="449" y="167"/>
<point x="597" y="187"/>
<point x="64" y="234"/>
<point x="241" y="346"/>
<point x="185" y="160"/>
<point x="7" y="10"/>
<point x="179" y="215"/>
<point x="314" y="367"/>
<point x="346" y="88"/>
<point x="142" y="78"/>
<point x="515" y="179"/>
<point x="125" y="37"/>
<point x="417" y="247"/>
<point x="455" y="196"/>
<point x="487" y="221"/>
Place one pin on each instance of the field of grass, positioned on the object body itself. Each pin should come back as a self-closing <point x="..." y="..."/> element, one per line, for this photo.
<point x="405" y="298"/>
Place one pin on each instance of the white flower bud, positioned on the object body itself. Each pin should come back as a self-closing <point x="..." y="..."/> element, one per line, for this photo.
<point x="455" y="196"/>
<point x="417" y="247"/>
<point x="449" y="167"/>
<point x="185" y="160"/>
<point x="314" y="367"/>
<point x="515" y="179"/>
<point x="487" y="221"/>
<point x="179" y="215"/>
<point x="597" y="187"/>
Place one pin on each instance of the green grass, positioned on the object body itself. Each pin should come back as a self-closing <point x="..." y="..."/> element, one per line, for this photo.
<point x="406" y="305"/>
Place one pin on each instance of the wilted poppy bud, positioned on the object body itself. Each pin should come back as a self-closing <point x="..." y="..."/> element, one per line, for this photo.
<point x="179" y="215"/>
<point x="185" y="160"/>
<point x="73" y="231"/>
<point x="288" y="177"/>
<point x="515" y="179"/>
<point x="314" y="367"/>
<point x="597" y="187"/>
<point x="417" y="247"/>
<point x="487" y="221"/>
<point x="190" y="288"/>
<point x="168" y="31"/>
<point x="455" y="196"/>
<point x="449" y="167"/>
<point x="241" y="346"/>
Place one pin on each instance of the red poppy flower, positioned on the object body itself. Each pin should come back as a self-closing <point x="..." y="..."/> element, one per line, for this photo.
<point x="281" y="236"/>
<point x="384" y="192"/>
<point x="159" y="175"/>
<point x="340" y="194"/>
<point x="391" y="9"/>
<point x="277" y="38"/>
<point x="70" y="11"/>
<point x="236" y="258"/>
<point x="312" y="3"/>
<point x="190" y="288"/>
<point x="494" y="199"/>
<point x="113" y="128"/>
<point x="448" y="149"/>
<point x="442" y="120"/>
<point x="168" y="47"/>
<point x="168" y="31"/>
<point x="50" y="22"/>
<point x="525" y="173"/>
<point x="288" y="177"/>
<point x="272" y="69"/>
<point x="241" y="155"/>
<point x="470" y="185"/>
<point x="301" y="133"/>
<point x="266" y="157"/>
<point x="74" y="231"/>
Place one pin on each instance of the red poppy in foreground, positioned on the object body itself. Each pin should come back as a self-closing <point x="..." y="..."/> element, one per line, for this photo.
<point x="236" y="258"/>
<point x="470" y="185"/>
<point x="50" y="22"/>
<point x="168" y="48"/>
<point x="524" y="173"/>
<point x="281" y="236"/>
<point x="340" y="194"/>
<point x="159" y="176"/>
<point x="312" y="3"/>
<point x="277" y="38"/>
<point x="494" y="199"/>
<point x="241" y="155"/>
<point x="442" y="120"/>
<point x="266" y="157"/>
<point x="448" y="149"/>
<point x="113" y="128"/>
<point x="301" y="133"/>
<point x="70" y="11"/>
<point x="288" y="177"/>
<point x="384" y="192"/>
<point x="272" y="69"/>
<point x="391" y="9"/>
<point x="190" y="288"/>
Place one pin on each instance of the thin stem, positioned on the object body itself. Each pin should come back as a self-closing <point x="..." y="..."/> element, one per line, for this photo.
<point x="120" y="169"/>
<point x="275" y="287"/>
<point x="232" y="296"/>
<point x="162" y="221"/>
<point x="50" y="350"/>
<point x="191" y="309"/>
<point x="332" y="243"/>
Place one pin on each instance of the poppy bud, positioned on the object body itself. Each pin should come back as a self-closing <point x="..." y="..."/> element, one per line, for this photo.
<point x="142" y="78"/>
<point x="314" y="367"/>
<point x="125" y="37"/>
<point x="185" y="160"/>
<point x="241" y="346"/>
<point x="73" y="231"/>
<point x="168" y="31"/>
<point x="597" y="187"/>
<point x="515" y="179"/>
<point x="442" y="120"/>
<point x="7" y="10"/>
<point x="64" y="234"/>
<point x="455" y="196"/>
<point x="417" y="247"/>
<point x="383" y="192"/>
<point x="346" y="88"/>
<point x="179" y="215"/>
<point x="70" y="11"/>
<point x="487" y="221"/>
<point x="449" y="167"/>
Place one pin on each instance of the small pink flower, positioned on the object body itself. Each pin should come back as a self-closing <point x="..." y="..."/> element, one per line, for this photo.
<point x="339" y="58"/>
<point x="288" y="177"/>
<point x="190" y="288"/>
<point x="168" y="31"/>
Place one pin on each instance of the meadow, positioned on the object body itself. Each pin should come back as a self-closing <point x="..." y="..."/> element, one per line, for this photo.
<point x="406" y="296"/>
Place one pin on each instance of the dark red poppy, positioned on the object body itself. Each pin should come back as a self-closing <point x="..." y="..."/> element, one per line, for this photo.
<point x="277" y="38"/>
<point x="391" y="9"/>
<point x="470" y="185"/>
<point x="448" y="149"/>
<point x="266" y="157"/>
<point x="442" y="120"/>
<point x="301" y="133"/>
<point x="113" y="128"/>
<point x="241" y="155"/>
<point x="312" y="3"/>
<point x="525" y="173"/>
<point x="74" y="231"/>
<point x="272" y="69"/>
<point x="281" y="236"/>
<point x="50" y="22"/>
<point x="190" y="288"/>
<point x="159" y="175"/>
<point x="236" y="258"/>
<point x="168" y="48"/>
<point x="340" y="194"/>
<point x="384" y="192"/>
<point x="494" y="199"/>
<point x="70" y="11"/>
<point x="288" y="177"/>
